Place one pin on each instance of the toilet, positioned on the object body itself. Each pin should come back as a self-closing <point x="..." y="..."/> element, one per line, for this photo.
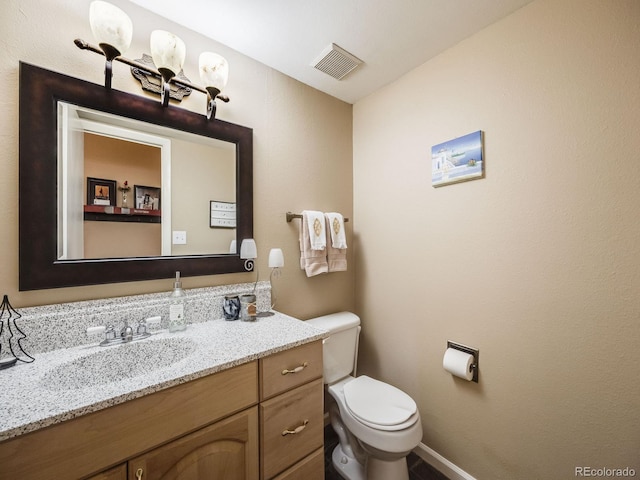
<point x="377" y="424"/>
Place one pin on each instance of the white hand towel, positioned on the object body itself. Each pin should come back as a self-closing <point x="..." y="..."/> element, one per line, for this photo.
<point x="313" y="262"/>
<point x="317" y="233"/>
<point x="336" y="257"/>
<point x="335" y="224"/>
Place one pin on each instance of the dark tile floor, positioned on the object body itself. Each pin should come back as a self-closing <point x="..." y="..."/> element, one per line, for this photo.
<point x="418" y="468"/>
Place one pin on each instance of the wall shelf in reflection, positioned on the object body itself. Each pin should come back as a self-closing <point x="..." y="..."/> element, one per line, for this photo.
<point x="101" y="213"/>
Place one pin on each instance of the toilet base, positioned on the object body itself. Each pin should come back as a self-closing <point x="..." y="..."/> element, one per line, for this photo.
<point x="350" y="469"/>
<point x="347" y="467"/>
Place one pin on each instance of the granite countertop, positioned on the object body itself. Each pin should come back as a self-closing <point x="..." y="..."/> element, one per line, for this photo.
<point x="43" y="393"/>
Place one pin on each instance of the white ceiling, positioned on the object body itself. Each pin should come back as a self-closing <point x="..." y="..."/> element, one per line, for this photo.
<point x="392" y="37"/>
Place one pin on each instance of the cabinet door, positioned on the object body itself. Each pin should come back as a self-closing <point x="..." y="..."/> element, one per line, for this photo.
<point x="116" y="473"/>
<point x="227" y="450"/>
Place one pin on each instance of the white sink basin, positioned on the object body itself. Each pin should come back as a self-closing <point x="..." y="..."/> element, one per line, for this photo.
<point x="112" y="364"/>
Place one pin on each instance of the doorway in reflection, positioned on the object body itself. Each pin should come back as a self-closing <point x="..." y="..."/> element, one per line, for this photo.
<point x="134" y="163"/>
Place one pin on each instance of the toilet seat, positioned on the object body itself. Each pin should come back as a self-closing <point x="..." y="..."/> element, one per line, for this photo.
<point x="379" y="405"/>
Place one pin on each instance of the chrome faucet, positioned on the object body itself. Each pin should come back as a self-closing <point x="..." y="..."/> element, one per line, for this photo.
<point x="111" y="337"/>
<point x="126" y="334"/>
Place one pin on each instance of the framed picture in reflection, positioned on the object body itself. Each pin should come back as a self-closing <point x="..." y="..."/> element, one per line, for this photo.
<point x="147" y="198"/>
<point x="101" y="191"/>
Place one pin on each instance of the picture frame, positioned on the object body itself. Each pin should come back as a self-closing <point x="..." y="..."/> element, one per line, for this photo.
<point x="147" y="198"/>
<point x="222" y="214"/>
<point x="101" y="191"/>
<point x="458" y="160"/>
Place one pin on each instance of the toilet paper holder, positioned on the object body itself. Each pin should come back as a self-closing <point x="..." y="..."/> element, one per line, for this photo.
<point x="471" y="351"/>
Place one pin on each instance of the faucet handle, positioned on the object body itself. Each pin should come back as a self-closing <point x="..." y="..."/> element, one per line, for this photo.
<point x="145" y="323"/>
<point x="109" y="332"/>
<point x="142" y="328"/>
<point x="94" y="330"/>
<point x="153" y="321"/>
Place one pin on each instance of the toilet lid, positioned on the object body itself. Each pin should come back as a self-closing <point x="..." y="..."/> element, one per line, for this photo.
<point x="377" y="402"/>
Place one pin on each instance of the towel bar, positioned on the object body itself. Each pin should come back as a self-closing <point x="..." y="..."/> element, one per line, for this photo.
<point x="291" y="216"/>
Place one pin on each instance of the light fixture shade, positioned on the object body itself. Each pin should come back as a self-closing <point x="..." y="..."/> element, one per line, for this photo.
<point x="276" y="258"/>
<point x="168" y="52"/>
<point x="214" y="70"/>
<point x="111" y="27"/>
<point x="248" y="249"/>
<point x="233" y="247"/>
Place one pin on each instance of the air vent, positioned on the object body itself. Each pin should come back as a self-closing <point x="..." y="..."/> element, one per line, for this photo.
<point x="336" y="61"/>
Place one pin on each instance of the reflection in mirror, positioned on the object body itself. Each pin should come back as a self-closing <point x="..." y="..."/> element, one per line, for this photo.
<point x="104" y="138"/>
<point x="189" y="171"/>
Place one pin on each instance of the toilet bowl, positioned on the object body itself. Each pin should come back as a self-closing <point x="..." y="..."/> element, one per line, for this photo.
<point x="377" y="424"/>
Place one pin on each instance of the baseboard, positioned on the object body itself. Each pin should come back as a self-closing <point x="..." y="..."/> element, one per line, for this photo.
<point x="437" y="461"/>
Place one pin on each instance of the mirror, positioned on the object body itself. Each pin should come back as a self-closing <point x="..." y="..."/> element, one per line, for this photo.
<point x="186" y="171"/>
<point x="50" y="192"/>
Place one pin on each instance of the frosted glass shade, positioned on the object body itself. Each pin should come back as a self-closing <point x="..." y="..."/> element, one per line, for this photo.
<point x="233" y="247"/>
<point x="111" y="27"/>
<point x="168" y="52"/>
<point x="214" y="70"/>
<point x="248" y="249"/>
<point x="276" y="258"/>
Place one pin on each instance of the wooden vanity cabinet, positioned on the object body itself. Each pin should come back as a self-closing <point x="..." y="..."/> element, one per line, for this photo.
<point x="291" y="414"/>
<point x="260" y="420"/>
<point x="98" y="441"/>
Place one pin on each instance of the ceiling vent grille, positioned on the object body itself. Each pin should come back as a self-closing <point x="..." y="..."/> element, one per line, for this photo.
<point x="336" y="61"/>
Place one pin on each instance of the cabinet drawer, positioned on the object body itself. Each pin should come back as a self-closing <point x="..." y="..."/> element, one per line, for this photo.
<point x="309" y="468"/>
<point x="301" y="411"/>
<point x="286" y="370"/>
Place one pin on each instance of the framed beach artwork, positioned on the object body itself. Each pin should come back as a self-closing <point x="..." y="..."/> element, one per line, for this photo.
<point x="458" y="160"/>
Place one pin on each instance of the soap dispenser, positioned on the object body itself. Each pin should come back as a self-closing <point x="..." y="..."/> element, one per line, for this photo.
<point x="177" y="304"/>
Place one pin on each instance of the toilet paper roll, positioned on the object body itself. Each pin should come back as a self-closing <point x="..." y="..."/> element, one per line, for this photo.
<point x="458" y="363"/>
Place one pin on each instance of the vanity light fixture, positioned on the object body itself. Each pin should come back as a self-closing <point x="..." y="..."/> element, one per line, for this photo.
<point x="214" y="73"/>
<point x="276" y="262"/>
<point x="113" y="30"/>
<point x="248" y="252"/>
<point x="168" y="52"/>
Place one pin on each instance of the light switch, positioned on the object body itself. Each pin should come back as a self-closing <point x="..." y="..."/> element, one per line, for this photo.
<point x="179" y="237"/>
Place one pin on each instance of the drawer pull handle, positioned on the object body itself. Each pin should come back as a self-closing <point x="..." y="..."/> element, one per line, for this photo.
<point x="139" y="473"/>
<point x="296" y="370"/>
<point x="298" y="429"/>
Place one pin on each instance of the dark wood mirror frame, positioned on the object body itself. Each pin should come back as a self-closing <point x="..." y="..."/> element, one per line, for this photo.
<point x="40" y="90"/>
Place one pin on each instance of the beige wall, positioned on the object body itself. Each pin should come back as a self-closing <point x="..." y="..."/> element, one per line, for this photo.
<point x="302" y="147"/>
<point x="538" y="265"/>
<point x="201" y="173"/>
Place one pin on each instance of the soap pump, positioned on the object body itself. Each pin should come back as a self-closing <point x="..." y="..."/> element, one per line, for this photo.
<point x="177" y="320"/>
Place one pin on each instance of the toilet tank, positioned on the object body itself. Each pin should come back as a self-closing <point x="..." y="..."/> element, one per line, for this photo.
<point x="340" y="349"/>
